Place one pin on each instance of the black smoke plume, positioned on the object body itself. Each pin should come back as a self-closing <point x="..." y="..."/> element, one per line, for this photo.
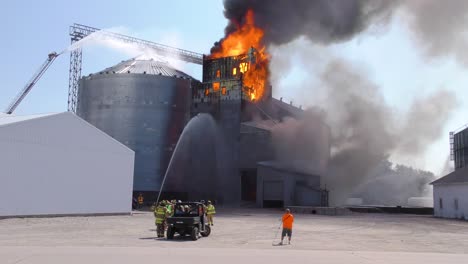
<point x="365" y="130"/>
<point x="322" y="21"/>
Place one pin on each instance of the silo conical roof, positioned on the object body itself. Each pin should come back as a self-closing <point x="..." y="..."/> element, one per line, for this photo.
<point x="151" y="67"/>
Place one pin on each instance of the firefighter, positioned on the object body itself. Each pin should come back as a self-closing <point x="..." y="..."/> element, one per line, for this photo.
<point x="160" y="214"/>
<point x="204" y="205"/>
<point x="210" y="212"/>
<point x="170" y="208"/>
<point x="140" y="200"/>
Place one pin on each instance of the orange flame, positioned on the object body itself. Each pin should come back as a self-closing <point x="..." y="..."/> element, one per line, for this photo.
<point x="239" y="42"/>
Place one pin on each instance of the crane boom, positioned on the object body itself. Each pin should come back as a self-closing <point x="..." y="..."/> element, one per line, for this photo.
<point x="22" y="94"/>
<point x="78" y="32"/>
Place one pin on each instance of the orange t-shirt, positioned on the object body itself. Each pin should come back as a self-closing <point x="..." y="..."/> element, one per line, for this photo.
<point x="288" y="220"/>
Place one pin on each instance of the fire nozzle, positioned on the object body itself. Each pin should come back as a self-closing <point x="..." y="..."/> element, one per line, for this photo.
<point x="53" y="55"/>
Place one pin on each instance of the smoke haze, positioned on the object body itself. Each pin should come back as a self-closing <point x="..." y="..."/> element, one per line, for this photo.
<point x="365" y="131"/>
<point x="439" y="27"/>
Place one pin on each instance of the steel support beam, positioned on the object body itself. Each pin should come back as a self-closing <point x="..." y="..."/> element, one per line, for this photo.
<point x="78" y="32"/>
<point x="74" y="78"/>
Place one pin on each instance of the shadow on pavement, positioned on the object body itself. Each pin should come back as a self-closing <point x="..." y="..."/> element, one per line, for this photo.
<point x="163" y="239"/>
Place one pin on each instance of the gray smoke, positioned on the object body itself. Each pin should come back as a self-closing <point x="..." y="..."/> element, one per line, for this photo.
<point x="427" y="115"/>
<point x="440" y="27"/>
<point x="365" y="133"/>
<point x="291" y="135"/>
<point x="390" y="184"/>
<point x="364" y="130"/>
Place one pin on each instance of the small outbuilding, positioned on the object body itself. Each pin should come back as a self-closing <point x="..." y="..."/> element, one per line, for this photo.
<point x="58" y="164"/>
<point x="451" y="195"/>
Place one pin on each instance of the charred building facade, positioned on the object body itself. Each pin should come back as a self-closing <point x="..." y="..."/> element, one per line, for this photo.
<point x="245" y="126"/>
<point x="223" y="95"/>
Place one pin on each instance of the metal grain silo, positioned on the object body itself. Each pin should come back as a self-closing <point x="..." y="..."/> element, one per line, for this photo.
<point x="144" y="104"/>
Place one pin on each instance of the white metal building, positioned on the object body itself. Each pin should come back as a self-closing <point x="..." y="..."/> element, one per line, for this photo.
<point x="451" y="195"/>
<point x="58" y="164"/>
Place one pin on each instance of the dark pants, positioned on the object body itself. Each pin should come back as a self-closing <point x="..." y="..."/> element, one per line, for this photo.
<point x="286" y="232"/>
<point x="160" y="230"/>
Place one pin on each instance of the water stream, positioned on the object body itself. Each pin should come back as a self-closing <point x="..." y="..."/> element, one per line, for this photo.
<point x="194" y="162"/>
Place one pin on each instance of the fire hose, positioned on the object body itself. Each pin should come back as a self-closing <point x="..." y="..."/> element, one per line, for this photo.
<point x="277" y="231"/>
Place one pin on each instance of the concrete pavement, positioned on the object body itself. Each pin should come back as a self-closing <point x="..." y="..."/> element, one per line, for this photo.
<point x="121" y="255"/>
<point x="239" y="236"/>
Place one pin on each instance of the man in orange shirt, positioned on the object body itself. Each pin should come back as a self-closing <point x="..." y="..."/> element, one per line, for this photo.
<point x="288" y="220"/>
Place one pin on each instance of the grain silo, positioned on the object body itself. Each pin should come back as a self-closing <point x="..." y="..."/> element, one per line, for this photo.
<point x="145" y="105"/>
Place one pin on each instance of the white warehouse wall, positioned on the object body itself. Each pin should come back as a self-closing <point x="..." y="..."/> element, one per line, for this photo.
<point x="61" y="165"/>
<point x="448" y="193"/>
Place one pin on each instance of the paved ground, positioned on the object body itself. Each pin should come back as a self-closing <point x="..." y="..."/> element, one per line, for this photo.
<point x="238" y="235"/>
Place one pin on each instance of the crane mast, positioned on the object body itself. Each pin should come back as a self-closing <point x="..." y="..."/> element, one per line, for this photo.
<point x="22" y="94"/>
<point x="79" y="32"/>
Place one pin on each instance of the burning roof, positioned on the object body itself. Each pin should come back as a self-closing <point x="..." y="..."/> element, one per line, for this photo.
<point x="246" y="43"/>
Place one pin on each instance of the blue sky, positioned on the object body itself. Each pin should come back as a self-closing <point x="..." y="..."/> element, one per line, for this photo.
<point x="32" y="29"/>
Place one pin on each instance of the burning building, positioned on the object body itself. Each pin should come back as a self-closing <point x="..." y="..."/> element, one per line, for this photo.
<point x="235" y="91"/>
<point x="211" y="139"/>
<point x="231" y="100"/>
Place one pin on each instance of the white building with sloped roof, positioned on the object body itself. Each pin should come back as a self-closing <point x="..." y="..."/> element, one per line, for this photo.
<point x="58" y="164"/>
<point x="451" y="195"/>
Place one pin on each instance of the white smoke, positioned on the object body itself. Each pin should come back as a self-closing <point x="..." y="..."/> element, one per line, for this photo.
<point x="102" y="38"/>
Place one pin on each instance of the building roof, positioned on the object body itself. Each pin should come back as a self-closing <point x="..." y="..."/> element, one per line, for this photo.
<point x="457" y="176"/>
<point x="291" y="109"/>
<point x="6" y="119"/>
<point x="151" y="67"/>
<point x="300" y="167"/>
<point x="62" y="123"/>
<point x="261" y="124"/>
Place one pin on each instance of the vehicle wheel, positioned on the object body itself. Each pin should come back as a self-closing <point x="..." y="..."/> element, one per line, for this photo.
<point x="170" y="233"/>
<point x="207" y="231"/>
<point x="194" y="234"/>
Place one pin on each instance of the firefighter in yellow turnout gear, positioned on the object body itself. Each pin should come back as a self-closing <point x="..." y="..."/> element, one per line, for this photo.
<point x="169" y="212"/>
<point x="160" y="214"/>
<point x="210" y="212"/>
<point x="170" y="208"/>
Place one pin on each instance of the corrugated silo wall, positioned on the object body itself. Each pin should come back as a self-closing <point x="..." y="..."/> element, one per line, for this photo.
<point x="147" y="113"/>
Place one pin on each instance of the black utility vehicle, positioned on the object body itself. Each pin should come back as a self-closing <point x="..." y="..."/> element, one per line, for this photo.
<point x="189" y="219"/>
